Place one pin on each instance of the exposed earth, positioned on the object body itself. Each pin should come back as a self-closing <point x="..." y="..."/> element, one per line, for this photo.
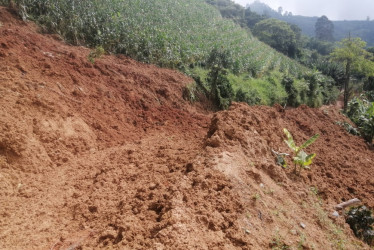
<point x="109" y="155"/>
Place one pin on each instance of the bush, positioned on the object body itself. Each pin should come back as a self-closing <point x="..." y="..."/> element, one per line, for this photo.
<point x="361" y="221"/>
<point x="221" y="91"/>
<point x="292" y="99"/>
<point x="251" y="97"/>
<point x="361" y="112"/>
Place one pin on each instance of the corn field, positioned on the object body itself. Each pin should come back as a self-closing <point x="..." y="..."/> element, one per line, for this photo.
<point x="170" y="33"/>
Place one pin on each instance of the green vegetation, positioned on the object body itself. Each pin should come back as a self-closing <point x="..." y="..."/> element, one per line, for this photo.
<point x="363" y="29"/>
<point x="279" y="35"/>
<point x="324" y="29"/>
<point x="349" y="128"/>
<point x="184" y="35"/>
<point x="361" y="112"/>
<point x="178" y="34"/>
<point x="311" y="88"/>
<point x="302" y="159"/>
<point x="97" y="53"/>
<point x="355" y="59"/>
<point x="221" y="92"/>
<point x="361" y="221"/>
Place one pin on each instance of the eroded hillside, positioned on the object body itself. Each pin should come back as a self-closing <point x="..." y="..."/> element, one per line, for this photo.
<point x="109" y="155"/>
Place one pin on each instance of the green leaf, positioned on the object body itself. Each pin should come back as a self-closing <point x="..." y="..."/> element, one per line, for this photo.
<point x="310" y="141"/>
<point x="303" y="159"/>
<point x="290" y="142"/>
<point x="308" y="159"/>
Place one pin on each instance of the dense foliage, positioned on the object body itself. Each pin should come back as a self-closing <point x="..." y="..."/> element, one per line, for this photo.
<point x="361" y="221"/>
<point x="352" y="54"/>
<point x="324" y="29"/>
<point x="279" y="35"/>
<point x="221" y="92"/>
<point x="361" y="112"/>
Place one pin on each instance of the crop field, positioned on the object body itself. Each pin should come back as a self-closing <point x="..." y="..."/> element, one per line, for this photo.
<point x="170" y="33"/>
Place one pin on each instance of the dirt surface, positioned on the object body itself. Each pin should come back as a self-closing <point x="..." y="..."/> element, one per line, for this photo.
<point x="109" y="155"/>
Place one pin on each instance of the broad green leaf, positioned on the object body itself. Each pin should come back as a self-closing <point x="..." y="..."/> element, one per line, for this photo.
<point x="290" y="142"/>
<point x="310" y="141"/>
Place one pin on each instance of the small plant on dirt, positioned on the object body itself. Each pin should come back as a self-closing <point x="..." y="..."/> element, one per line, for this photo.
<point x="348" y="127"/>
<point x="97" y="53"/>
<point x="256" y="197"/>
<point x="361" y="221"/>
<point x="189" y="92"/>
<point x="301" y="242"/>
<point x="277" y="242"/>
<point x="302" y="159"/>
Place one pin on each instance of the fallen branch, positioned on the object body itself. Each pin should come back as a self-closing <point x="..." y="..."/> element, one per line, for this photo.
<point x="347" y="204"/>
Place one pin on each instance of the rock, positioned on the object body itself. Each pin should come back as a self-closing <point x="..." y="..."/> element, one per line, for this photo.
<point x="152" y="186"/>
<point x="335" y="214"/>
<point x="302" y="225"/>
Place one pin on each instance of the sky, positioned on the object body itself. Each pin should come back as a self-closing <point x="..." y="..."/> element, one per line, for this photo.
<point x="333" y="9"/>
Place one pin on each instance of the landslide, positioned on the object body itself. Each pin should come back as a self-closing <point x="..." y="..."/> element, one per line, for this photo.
<point x="109" y="155"/>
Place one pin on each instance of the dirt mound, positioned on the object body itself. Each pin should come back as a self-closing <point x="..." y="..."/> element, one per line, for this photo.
<point x="342" y="168"/>
<point x="109" y="155"/>
<point x="240" y="142"/>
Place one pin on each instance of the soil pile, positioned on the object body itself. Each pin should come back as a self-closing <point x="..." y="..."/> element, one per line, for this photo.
<point x="109" y="155"/>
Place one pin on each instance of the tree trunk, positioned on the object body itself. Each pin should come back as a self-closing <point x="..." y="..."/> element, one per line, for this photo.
<point x="347" y="204"/>
<point x="346" y="84"/>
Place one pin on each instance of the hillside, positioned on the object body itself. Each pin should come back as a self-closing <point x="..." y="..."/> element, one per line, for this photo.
<point x="179" y="35"/>
<point x="108" y="155"/>
<point x="363" y="29"/>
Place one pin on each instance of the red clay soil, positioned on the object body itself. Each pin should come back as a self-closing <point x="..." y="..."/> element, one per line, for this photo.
<point x="109" y="155"/>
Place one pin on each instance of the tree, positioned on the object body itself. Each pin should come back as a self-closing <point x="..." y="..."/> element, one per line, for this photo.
<point x="324" y="29"/>
<point x="351" y="52"/>
<point x="279" y="35"/>
<point x="280" y="10"/>
<point x="252" y="18"/>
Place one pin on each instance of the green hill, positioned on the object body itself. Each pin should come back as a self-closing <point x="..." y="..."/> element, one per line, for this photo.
<point x="362" y="29"/>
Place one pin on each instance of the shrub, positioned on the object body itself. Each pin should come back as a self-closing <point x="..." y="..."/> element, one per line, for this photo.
<point x="292" y="99"/>
<point x="361" y="112"/>
<point x="221" y="91"/>
<point x="361" y="221"/>
<point x="97" y="53"/>
<point x="251" y="97"/>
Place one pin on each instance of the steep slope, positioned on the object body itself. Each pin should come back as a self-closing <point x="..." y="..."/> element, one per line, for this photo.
<point x="109" y="155"/>
<point x="179" y="34"/>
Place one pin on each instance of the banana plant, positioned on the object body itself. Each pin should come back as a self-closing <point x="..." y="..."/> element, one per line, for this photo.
<point x="301" y="158"/>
